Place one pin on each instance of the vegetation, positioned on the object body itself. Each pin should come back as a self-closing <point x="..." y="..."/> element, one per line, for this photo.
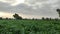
<point x="0" y="18"/>
<point x="16" y="16"/>
<point x="29" y="27"/>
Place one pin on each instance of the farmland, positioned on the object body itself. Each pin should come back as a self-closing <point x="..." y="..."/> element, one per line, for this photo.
<point x="29" y="26"/>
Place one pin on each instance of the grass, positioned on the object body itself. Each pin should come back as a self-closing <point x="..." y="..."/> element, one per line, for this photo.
<point x="29" y="26"/>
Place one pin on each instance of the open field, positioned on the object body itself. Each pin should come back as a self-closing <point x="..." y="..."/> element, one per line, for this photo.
<point x="29" y="26"/>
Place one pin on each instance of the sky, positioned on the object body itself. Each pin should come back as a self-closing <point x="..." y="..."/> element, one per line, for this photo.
<point x="29" y="8"/>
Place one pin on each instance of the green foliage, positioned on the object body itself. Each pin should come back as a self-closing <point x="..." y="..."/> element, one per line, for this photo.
<point x="30" y="26"/>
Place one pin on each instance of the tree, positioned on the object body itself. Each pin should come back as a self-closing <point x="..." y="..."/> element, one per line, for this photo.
<point x="16" y="16"/>
<point x="47" y="18"/>
<point x="58" y="10"/>
<point x="43" y="18"/>
<point x="1" y="18"/>
<point x="6" y="18"/>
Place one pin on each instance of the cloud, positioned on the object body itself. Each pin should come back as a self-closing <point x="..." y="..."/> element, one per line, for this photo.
<point x="8" y="1"/>
<point x="37" y="9"/>
<point x="13" y="2"/>
<point x="4" y="6"/>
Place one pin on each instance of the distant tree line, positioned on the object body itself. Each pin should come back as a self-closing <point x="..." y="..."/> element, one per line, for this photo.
<point x="16" y="16"/>
<point x="49" y="18"/>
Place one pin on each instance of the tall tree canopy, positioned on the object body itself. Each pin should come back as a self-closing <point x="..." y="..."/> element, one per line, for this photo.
<point x="16" y="16"/>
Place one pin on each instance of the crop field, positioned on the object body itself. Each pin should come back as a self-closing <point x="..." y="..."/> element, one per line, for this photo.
<point x="29" y="26"/>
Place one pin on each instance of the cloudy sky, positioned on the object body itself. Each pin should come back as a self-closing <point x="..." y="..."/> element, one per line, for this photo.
<point x="29" y="8"/>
